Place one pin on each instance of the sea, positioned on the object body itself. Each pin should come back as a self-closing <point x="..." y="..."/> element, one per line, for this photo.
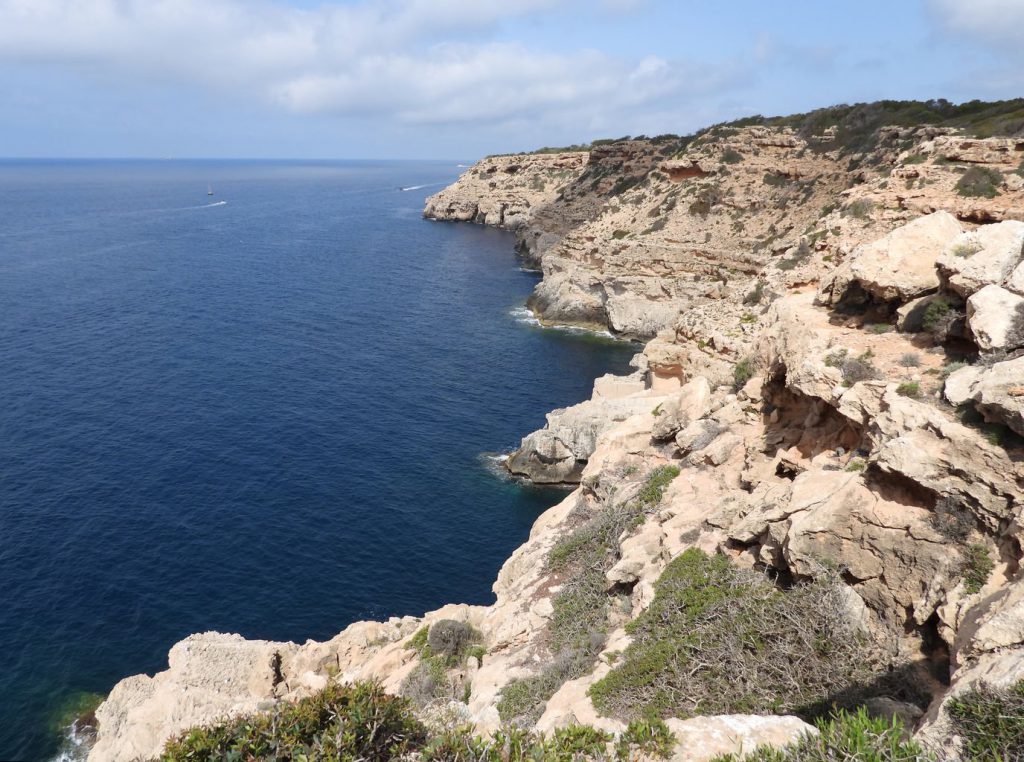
<point x="273" y="411"/>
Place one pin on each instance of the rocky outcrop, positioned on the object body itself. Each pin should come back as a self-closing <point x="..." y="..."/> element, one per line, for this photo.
<point x="982" y="257"/>
<point x="997" y="391"/>
<point x="558" y="453"/>
<point x="811" y="439"/>
<point x="898" y="267"/>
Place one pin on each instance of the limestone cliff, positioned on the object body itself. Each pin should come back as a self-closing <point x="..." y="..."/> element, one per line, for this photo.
<point x="832" y="393"/>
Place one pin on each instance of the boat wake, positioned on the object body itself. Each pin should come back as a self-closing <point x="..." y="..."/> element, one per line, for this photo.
<point x="418" y="187"/>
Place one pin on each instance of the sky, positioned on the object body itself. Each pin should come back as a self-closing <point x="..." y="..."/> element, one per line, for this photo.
<point x="458" y="79"/>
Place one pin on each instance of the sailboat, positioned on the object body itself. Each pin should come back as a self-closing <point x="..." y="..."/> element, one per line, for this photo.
<point x="209" y="190"/>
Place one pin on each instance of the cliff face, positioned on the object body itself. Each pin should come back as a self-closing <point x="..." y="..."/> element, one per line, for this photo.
<point x="643" y="230"/>
<point x="832" y="392"/>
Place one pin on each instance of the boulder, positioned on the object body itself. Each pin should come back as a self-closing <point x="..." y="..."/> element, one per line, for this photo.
<point x="689" y="404"/>
<point x="982" y="257"/>
<point x="901" y="265"/>
<point x="558" y="453"/>
<point x="959" y="386"/>
<point x="996" y="319"/>
<point x="999" y="394"/>
<point x="209" y="677"/>
<point x="700" y="739"/>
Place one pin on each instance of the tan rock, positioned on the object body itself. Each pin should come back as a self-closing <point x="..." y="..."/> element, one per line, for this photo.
<point x="690" y="403"/>
<point x="996" y="318"/>
<point x="982" y="257"/>
<point x="901" y="265"/>
<point x="701" y="739"/>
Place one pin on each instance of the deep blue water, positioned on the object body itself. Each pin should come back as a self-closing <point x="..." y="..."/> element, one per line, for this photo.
<point x="265" y="416"/>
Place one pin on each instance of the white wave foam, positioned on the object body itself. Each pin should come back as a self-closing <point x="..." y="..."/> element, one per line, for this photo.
<point x="525" y="315"/>
<point x="76" y="745"/>
<point x="418" y="187"/>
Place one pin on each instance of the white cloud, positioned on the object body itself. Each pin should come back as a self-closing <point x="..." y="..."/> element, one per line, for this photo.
<point x="1000" y="21"/>
<point x="416" y="61"/>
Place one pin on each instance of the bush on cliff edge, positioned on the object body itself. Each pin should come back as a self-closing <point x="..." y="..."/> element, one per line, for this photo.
<point x="722" y="640"/>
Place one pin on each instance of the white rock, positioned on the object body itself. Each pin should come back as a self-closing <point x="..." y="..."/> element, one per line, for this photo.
<point x="996" y="318"/>
<point x="982" y="257"/>
<point x="699" y="739"/>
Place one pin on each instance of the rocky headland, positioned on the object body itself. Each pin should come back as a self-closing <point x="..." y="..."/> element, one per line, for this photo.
<point x="817" y="463"/>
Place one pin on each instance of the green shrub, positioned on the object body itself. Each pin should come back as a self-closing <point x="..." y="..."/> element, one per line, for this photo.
<point x="909" y="389"/>
<point x="935" y="315"/>
<point x="721" y="640"/>
<point x="878" y="328"/>
<point x="844" y="738"/>
<point x="853" y="369"/>
<point x="623" y="184"/>
<point x="428" y="682"/>
<point x="952" y="367"/>
<point x="980" y="182"/>
<point x="650" y="737"/>
<point x="775" y="179"/>
<point x="448" y="639"/>
<point x="418" y="642"/>
<point x="855" y="465"/>
<point x="910" y="360"/>
<point x="618" y="235"/>
<point x="977" y="567"/>
<point x="731" y="156"/>
<point x="1020" y="169"/>
<point x="860" y="209"/>
<point x="361" y="722"/>
<point x="742" y="372"/>
<point x="990" y="722"/>
<point x="340" y="722"/>
<point x="653" y="490"/>
<point x="579" y="616"/>
<point x="915" y="158"/>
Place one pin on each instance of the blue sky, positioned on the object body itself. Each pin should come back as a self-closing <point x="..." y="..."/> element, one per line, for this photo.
<point x="462" y="78"/>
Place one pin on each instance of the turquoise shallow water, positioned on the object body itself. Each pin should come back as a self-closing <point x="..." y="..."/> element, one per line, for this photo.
<point x="260" y="412"/>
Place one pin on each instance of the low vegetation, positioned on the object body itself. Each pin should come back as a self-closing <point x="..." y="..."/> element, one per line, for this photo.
<point x="721" y="640"/>
<point x="845" y="737"/>
<point x="977" y="567"/>
<point x="742" y="372"/>
<point x="980" y="182"/>
<point x="361" y="722"/>
<point x="340" y="722"/>
<point x="853" y="369"/>
<point x="990" y="722"/>
<point x="580" y="608"/>
<point x="731" y="156"/>
<point x="910" y="389"/>
<point x="860" y="209"/>
<point x="444" y="645"/>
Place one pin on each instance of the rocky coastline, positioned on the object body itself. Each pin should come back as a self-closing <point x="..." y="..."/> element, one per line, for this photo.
<point x="831" y="392"/>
